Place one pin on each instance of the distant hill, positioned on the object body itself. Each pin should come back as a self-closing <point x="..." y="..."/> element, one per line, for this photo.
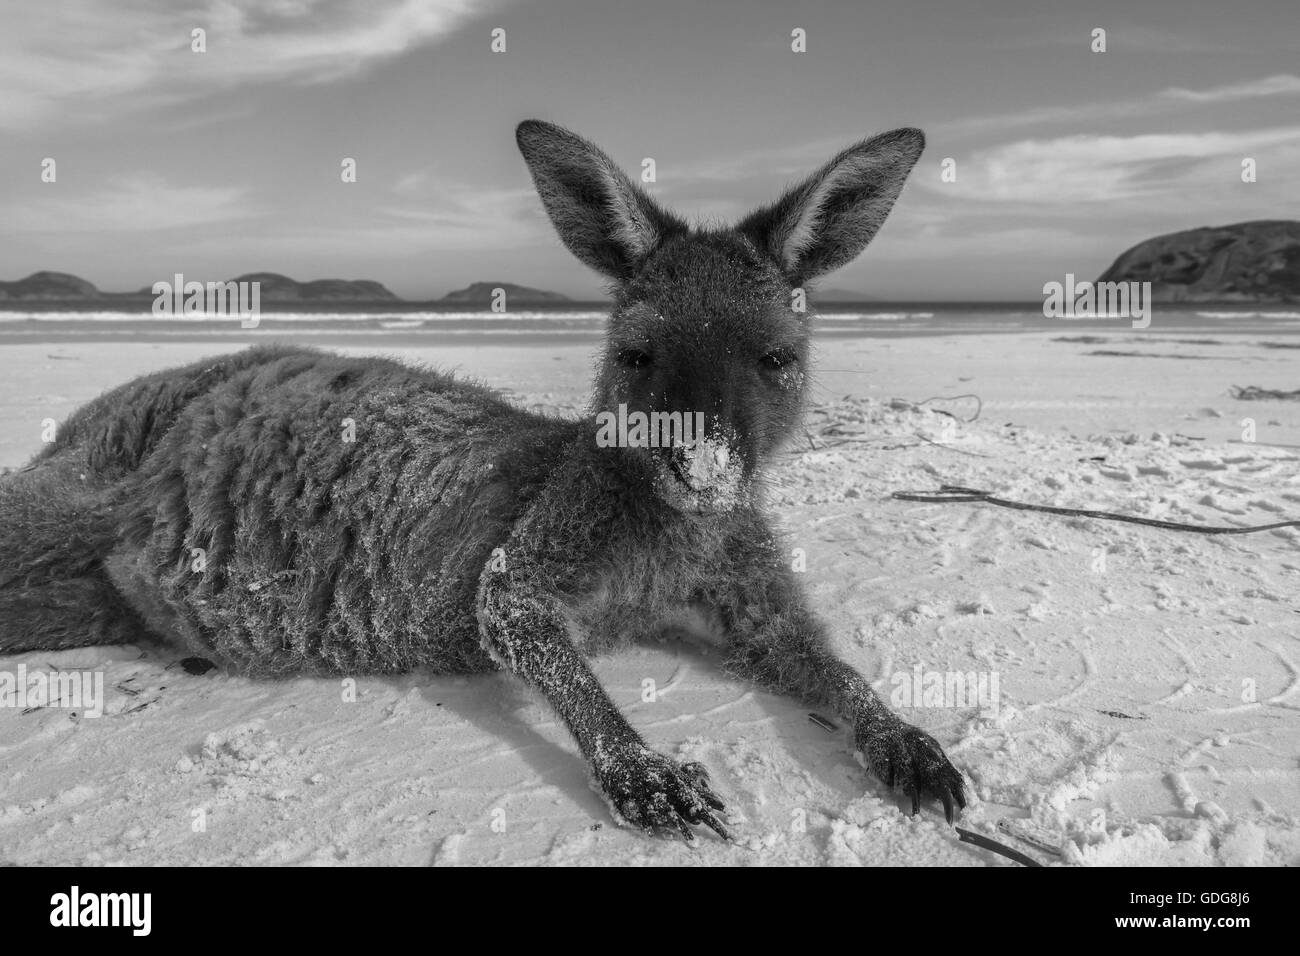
<point x="49" y="285"/>
<point x="480" y="293"/>
<point x="274" y="288"/>
<point x="1246" y="262"/>
<point x="279" y="288"/>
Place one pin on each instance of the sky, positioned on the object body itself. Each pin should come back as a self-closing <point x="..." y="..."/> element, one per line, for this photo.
<point x="229" y="161"/>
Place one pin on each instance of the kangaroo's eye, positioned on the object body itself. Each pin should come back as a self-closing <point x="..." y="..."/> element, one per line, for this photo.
<point x="778" y="358"/>
<point x="633" y="358"/>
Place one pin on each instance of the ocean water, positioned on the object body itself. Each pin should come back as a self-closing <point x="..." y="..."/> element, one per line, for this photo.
<point x="424" y="323"/>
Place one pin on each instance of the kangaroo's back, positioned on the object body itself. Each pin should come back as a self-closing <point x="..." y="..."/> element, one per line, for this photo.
<point x="280" y="509"/>
<point x="60" y="515"/>
<point x="112" y="434"/>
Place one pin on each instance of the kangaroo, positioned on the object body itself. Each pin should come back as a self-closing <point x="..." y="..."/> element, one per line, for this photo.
<point x="285" y="511"/>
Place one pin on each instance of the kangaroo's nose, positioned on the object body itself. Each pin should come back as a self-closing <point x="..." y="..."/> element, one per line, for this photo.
<point x="702" y="464"/>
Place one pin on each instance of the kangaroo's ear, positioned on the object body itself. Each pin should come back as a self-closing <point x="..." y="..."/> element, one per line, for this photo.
<point x="602" y="216"/>
<point x="827" y="220"/>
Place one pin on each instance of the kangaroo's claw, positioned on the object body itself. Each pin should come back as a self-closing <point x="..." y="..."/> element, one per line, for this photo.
<point x="658" y="794"/>
<point x="899" y="753"/>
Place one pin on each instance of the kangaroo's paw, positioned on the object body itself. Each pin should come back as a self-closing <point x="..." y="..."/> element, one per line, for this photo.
<point x="903" y="755"/>
<point x="659" y="794"/>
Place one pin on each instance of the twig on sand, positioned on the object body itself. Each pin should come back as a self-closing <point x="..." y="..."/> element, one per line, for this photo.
<point x="960" y="451"/>
<point x="970" y="836"/>
<point x="823" y="723"/>
<point x="1253" y="393"/>
<point x="950" y="493"/>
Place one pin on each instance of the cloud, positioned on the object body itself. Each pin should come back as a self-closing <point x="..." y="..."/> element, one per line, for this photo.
<point x="461" y="216"/>
<point x="1284" y="84"/>
<point x="1076" y="168"/>
<point x="1169" y="167"/>
<point x="98" y="57"/>
<point x="1149" y="104"/>
<point x="131" y="204"/>
<point x="443" y="217"/>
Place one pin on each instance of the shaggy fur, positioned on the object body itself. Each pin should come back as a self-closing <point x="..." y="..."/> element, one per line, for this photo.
<point x="286" y="511"/>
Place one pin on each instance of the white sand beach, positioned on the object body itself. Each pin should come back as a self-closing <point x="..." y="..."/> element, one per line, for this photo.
<point x="1149" y="679"/>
